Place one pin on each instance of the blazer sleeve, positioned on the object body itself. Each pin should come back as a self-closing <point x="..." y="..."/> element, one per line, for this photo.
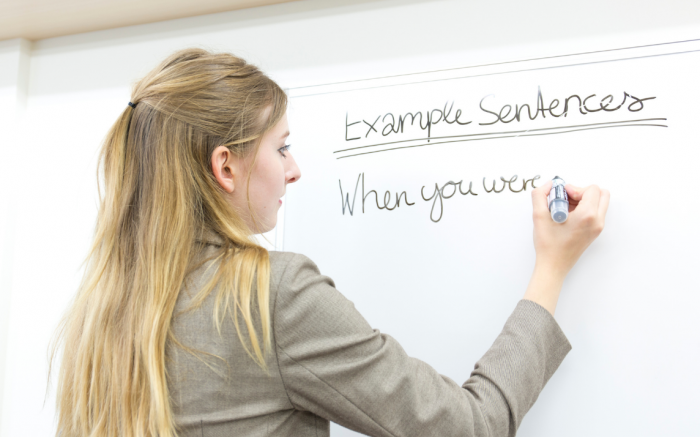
<point x="336" y="366"/>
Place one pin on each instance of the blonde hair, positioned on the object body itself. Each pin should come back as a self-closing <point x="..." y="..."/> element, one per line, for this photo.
<point x="160" y="197"/>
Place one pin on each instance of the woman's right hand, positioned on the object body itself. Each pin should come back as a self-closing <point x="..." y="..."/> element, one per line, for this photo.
<point x="559" y="245"/>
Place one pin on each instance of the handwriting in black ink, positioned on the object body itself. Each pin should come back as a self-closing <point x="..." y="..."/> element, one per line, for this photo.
<point x="425" y="121"/>
<point x="580" y="104"/>
<point x="439" y="193"/>
<point x="510" y="186"/>
<point x="345" y="197"/>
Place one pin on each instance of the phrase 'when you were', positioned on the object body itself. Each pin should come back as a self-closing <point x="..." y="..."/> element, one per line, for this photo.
<point x="437" y="195"/>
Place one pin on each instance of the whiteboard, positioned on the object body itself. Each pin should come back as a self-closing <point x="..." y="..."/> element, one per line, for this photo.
<point x="441" y="269"/>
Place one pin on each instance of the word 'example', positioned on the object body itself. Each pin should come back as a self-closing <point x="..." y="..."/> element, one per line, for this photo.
<point x="390" y="201"/>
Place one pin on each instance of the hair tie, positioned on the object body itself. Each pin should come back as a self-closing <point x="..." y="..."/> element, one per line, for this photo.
<point x="133" y="105"/>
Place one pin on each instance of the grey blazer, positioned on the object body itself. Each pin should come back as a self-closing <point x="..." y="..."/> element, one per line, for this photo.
<point x="327" y="363"/>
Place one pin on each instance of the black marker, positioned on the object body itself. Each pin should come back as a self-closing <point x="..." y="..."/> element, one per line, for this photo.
<point x="558" y="201"/>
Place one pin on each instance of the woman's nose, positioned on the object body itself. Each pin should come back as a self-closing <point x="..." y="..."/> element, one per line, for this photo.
<point x="293" y="173"/>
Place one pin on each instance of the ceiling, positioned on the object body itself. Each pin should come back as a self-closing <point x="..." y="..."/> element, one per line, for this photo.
<point x="39" y="19"/>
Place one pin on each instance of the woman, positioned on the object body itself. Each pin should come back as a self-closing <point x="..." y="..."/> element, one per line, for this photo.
<point x="184" y="326"/>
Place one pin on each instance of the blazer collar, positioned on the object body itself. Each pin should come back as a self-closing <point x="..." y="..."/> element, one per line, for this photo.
<point x="210" y="237"/>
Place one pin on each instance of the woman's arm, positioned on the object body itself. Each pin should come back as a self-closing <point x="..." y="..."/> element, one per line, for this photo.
<point x="560" y="245"/>
<point x="544" y="287"/>
<point x="333" y="364"/>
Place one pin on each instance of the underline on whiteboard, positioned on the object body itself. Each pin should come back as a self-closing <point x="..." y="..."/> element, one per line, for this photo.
<point x="495" y="63"/>
<point x="499" y="133"/>
<point x="500" y="72"/>
<point x="502" y="136"/>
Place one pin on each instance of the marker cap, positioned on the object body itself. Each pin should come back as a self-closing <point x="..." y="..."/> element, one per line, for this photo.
<point x="558" y="200"/>
<point x="559" y="210"/>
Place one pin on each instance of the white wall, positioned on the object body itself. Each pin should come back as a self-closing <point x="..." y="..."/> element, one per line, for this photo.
<point x="14" y="73"/>
<point x="76" y="86"/>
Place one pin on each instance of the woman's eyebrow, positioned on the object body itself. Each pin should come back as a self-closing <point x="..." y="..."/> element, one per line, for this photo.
<point x="285" y="135"/>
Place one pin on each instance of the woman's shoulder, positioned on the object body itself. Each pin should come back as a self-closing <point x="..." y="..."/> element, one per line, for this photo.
<point x="280" y="258"/>
<point x="289" y="264"/>
<point x="294" y="271"/>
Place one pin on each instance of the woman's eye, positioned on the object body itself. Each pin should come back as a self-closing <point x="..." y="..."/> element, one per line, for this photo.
<point x="284" y="149"/>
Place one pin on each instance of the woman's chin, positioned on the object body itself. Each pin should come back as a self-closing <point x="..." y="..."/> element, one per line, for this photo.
<point x="268" y="227"/>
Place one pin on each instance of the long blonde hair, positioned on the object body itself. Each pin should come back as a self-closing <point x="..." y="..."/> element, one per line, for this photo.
<point x="160" y="196"/>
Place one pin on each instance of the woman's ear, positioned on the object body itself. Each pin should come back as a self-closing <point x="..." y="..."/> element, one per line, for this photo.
<point x="225" y="167"/>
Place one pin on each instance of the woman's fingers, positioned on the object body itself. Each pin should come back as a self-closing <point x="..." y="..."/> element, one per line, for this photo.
<point x="591" y="199"/>
<point x="540" y="206"/>
<point x="573" y="192"/>
<point x="587" y="209"/>
<point x="603" y="205"/>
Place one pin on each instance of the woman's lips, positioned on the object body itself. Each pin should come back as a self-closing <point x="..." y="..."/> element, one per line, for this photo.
<point x="280" y="201"/>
